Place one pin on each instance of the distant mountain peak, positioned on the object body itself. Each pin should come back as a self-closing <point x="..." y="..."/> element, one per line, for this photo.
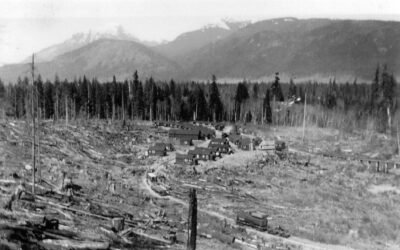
<point x="80" y="39"/>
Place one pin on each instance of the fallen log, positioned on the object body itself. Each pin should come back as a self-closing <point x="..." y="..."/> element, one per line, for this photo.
<point x="151" y="237"/>
<point x="244" y="244"/>
<point x="114" y="237"/>
<point x="75" y="244"/>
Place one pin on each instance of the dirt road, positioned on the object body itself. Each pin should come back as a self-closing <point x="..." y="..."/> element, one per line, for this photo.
<point x="306" y="244"/>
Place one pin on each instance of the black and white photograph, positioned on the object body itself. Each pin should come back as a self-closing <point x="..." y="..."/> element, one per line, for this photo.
<point x="200" y="124"/>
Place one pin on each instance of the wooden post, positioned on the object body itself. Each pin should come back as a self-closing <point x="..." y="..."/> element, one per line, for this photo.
<point x="398" y="139"/>
<point x="192" y="220"/>
<point x="304" y="117"/>
<point x="33" y="126"/>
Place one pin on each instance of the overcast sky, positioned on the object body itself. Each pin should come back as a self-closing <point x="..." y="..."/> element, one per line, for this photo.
<point x="27" y="26"/>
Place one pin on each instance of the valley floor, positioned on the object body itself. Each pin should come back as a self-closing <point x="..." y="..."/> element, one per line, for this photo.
<point x="324" y="202"/>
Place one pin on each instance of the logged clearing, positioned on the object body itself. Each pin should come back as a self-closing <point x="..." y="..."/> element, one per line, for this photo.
<point x="94" y="173"/>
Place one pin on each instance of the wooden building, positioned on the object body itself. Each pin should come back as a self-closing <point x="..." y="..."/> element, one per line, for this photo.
<point x="185" y="159"/>
<point x="158" y="150"/>
<point x="219" y="141"/>
<point x="235" y="139"/>
<point x="246" y="144"/>
<point x="168" y="146"/>
<point x="203" y="154"/>
<point x="221" y="149"/>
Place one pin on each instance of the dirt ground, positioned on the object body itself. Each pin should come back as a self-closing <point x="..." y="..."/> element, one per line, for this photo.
<point x="324" y="202"/>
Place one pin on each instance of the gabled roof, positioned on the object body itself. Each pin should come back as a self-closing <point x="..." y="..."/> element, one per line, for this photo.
<point x="201" y="151"/>
<point x="184" y="132"/>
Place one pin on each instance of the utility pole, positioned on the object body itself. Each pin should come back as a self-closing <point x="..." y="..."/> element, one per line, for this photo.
<point x="39" y="112"/>
<point x="304" y="118"/>
<point x="192" y="220"/>
<point x="33" y="126"/>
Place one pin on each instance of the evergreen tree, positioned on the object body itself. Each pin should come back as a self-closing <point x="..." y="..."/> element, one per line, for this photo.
<point x="276" y="89"/>
<point x="215" y="104"/>
<point x="292" y="89"/>
<point x="241" y="95"/>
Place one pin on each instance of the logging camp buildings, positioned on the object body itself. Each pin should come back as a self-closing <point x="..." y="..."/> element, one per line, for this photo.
<point x="187" y="134"/>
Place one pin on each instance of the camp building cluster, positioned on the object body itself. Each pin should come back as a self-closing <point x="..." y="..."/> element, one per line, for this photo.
<point x="185" y="134"/>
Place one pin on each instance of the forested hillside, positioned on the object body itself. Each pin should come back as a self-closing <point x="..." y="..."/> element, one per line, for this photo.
<point x="341" y="105"/>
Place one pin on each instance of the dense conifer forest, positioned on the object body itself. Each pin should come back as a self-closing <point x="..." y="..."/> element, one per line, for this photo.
<point x="348" y="105"/>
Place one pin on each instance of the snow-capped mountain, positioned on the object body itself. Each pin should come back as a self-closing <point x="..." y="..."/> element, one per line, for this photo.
<point x="193" y="40"/>
<point x="78" y="40"/>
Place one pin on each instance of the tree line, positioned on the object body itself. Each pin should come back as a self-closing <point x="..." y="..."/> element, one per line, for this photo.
<point x="259" y="103"/>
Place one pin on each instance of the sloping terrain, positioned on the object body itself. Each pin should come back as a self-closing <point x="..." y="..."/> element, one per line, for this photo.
<point x="300" y="48"/>
<point x="101" y="59"/>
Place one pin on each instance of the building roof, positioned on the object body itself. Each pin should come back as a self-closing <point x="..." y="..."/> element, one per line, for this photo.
<point x="218" y="146"/>
<point x="157" y="147"/>
<point x="201" y="151"/>
<point x="218" y="140"/>
<point x="245" y="140"/>
<point x="183" y="156"/>
<point x="184" y="132"/>
<point x="162" y="144"/>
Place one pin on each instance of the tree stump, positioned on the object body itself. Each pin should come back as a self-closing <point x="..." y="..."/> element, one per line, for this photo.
<point x="118" y="223"/>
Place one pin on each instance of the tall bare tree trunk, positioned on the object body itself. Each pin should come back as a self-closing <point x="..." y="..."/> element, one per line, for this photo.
<point x="33" y="127"/>
<point x="113" y="108"/>
<point x="66" y="110"/>
<point x="304" y="117"/>
<point x="39" y="112"/>
<point x="389" y="114"/>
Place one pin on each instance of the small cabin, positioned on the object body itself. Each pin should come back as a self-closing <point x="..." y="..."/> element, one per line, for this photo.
<point x="221" y="149"/>
<point x="185" y="159"/>
<point x="246" y="144"/>
<point x="235" y="139"/>
<point x="158" y="150"/>
<point x="203" y="154"/>
<point x="268" y="145"/>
